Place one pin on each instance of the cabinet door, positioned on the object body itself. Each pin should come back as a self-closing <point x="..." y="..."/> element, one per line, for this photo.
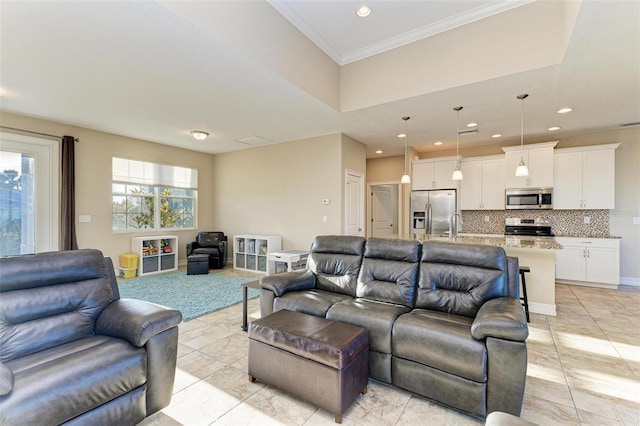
<point x="570" y="263"/>
<point x="421" y="176"/>
<point x="493" y="184"/>
<point x="442" y="171"/>
<point x="512" y="159"/>
<point x="541" y="167"/>
<point x="603" y="265"/>
<point x="567" y="181"/>
<point x="599" y="179"/>
<point x="471" y="185"/>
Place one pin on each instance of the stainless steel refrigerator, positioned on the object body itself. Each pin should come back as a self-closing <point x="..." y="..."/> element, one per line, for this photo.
<point x="431" y="211"/>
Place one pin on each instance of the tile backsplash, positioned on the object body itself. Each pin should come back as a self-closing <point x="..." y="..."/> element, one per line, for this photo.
<point x="565" y="222"/>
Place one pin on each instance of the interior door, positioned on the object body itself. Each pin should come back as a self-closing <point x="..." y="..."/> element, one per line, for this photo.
<point x="384" y="210"/>
<point x="354" y="203"/>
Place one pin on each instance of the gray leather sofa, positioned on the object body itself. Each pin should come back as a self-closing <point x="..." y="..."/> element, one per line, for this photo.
<point x="72" y="351"/>
<point x="444" y="319"/>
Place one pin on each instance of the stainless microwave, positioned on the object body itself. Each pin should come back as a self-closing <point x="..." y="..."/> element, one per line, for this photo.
<point x="529" y="198"/>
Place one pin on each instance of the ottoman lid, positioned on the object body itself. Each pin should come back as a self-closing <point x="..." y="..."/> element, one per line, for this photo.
<point x="332" y="343"/>
<point x="198" y="258"/>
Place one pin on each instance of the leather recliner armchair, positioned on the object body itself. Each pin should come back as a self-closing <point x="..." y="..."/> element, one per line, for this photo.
<point x="213" y="244"/>
<point x="72" y="351"/>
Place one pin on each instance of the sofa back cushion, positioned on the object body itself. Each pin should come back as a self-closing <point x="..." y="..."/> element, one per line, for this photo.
<point x="459" y="278"/>
<point x="335" y="260"/>
<point x="389" y="271"/>
<point x="49" y="299"/>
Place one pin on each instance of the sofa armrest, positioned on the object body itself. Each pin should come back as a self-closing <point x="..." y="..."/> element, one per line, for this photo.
<point x="6" y="380"/>
<point x="502" y="318"/>
<point x="136" y="320"/>
<point x="191" y="247"/>
<point x="279" y="284"/>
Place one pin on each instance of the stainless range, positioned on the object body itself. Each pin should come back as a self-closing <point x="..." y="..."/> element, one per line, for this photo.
<point x="538" y="227"/>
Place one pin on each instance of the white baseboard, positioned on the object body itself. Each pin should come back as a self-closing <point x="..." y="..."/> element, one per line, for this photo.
<point x="586" y="284"/>
<point x="182" y="262"/>
<point x="542" y="308"/>
<point x="630" y="281"/>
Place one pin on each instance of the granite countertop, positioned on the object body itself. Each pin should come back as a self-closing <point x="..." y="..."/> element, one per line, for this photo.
<point x="546" y="243"/>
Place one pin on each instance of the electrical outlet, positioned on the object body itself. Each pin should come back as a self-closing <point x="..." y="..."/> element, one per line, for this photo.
<point x="486" y="218"/>
<point x="587" y="219"/>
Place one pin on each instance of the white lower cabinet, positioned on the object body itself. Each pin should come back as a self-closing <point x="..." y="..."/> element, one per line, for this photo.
<point x="588" y="261"/>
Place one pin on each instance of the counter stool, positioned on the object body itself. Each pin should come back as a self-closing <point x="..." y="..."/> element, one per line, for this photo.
<point x="523" y="299"/>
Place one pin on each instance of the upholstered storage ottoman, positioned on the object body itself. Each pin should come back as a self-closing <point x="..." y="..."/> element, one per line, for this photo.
<point x="317" y="360"/>
<point x="198" y="264"/>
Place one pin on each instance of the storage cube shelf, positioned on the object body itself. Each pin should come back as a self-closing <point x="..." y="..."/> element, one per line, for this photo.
<point x="156" y="254"/>
<point x="250" y="251"/>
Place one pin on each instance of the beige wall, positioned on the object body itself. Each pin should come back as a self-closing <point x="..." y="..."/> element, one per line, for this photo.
<point x="278" y="190"/>
<point x="627" y="183"/>
<point x="93" y="180"/>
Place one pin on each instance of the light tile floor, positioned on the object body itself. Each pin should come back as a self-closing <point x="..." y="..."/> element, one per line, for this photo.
<point x="584" y="368"/>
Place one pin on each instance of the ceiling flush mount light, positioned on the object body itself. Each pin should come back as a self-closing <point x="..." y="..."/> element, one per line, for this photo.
<point x="497" y="135"/>
<point x="438" y="143"/>
<point x="199" y="134"/>
<point x="554" y="128"/>
<point x="472" y="124"/>
<point x="379" y="151"/>
<point x="564" y="110"/>
<point x="457" y="173"/>
<point x="363" y="12"/>
<point x="405" y="177"/>
<point x="522" y="169"/>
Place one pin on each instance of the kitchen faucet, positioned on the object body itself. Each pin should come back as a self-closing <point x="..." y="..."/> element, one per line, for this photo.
<point x="453" y="223"/>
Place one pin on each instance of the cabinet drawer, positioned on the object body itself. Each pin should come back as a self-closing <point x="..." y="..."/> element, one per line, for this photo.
<point x="589" y="242"/>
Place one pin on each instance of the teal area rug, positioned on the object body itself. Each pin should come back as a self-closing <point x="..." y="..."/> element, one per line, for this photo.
<point x="193" y="295"/>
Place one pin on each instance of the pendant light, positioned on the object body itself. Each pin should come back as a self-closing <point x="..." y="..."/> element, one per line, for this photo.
<point x="522" y="169"/>
<point x="405" y="177"/>
<point x="457" y="173"/>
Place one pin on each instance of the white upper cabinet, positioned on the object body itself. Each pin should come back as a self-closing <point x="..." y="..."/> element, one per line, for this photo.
<point x="483" y="183"/>
<point x="538" y="159"/>
<point x="433" y="174"/>
<point x="584" y="177"/>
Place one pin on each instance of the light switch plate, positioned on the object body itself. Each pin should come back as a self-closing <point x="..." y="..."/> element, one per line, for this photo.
<point x="636" y="220"/>
<point x="587" y="219"/>
<point x="84" y="218"/>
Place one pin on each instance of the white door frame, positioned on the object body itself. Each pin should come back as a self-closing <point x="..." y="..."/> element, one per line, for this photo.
<point x="47" y="189"/>
<point x="401" y="215"/>
<point x="345" y="213"/>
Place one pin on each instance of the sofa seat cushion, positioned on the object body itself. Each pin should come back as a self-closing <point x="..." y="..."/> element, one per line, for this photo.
<point x="82" y="375"/>
<point x="313" y="302"/>
<point x="376" y="317"/>
<point x="442" y="341"/>
<point x="207" y="250"/>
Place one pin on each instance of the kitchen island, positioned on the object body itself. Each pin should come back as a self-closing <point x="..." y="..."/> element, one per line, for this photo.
<point x="539" y="254"/>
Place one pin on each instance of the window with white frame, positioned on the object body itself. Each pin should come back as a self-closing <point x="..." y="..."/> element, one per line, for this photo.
<point x="152" y="197"/>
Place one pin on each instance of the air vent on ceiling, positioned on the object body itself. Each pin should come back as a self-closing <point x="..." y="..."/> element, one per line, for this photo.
<point x="253" y="140"/>
<point x="468" y="132"/>
<point x="631" y="123"/>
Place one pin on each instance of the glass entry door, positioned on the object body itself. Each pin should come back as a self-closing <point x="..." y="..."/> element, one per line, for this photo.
<point x="28" y="195"/>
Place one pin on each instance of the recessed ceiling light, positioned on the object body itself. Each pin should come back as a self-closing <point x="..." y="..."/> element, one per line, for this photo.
<point x="438" y="143"/>
<point x="379" y="151"/>
<point x="497" y="135"/>
<point x="363" y="12"/>
<point x="551" y="129"/>
<point x="402" y="135"/>
<point x="564" y="110"/>
<point x="472" y="124"/>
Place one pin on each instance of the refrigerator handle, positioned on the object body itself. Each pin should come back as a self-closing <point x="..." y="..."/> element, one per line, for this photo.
<point x="428" y="225"/>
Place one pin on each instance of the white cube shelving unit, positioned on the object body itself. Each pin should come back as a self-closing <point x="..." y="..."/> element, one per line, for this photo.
<point x="152" y="259"/>
<point x="250" y="251"/>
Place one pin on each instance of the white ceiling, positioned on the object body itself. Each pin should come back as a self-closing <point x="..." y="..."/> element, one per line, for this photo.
<point x="141" y="70"/>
